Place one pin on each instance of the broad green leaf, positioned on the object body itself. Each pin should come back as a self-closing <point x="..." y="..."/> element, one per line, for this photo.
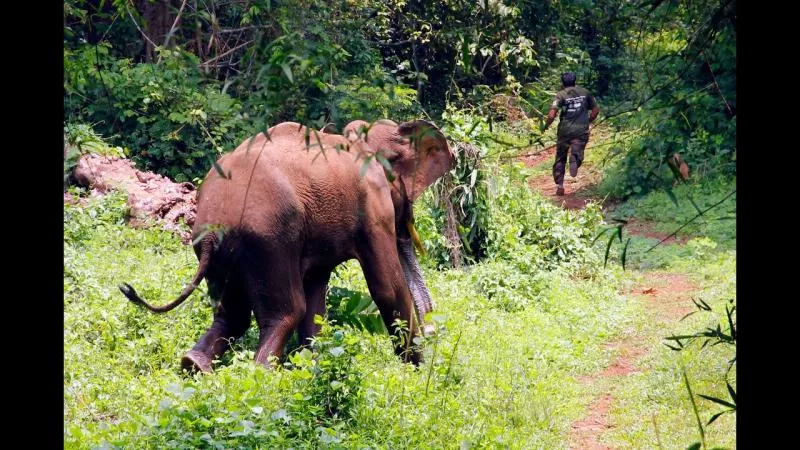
<point x="288" y="72"/>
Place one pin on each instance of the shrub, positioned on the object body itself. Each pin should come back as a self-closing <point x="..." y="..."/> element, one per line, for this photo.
<point x="167" y="116"/>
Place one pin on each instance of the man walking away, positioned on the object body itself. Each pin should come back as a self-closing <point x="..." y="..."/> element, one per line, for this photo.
<point x="575" y="103"/>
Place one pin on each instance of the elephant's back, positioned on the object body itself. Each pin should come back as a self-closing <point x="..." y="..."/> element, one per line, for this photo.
<point x="242" y="193"/>
<point x="280" y="185"/>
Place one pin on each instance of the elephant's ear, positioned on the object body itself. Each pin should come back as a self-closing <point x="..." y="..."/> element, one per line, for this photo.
<point x="422" y="157"/>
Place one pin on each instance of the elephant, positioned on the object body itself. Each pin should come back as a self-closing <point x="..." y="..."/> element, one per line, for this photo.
<point x="279" y="213"/>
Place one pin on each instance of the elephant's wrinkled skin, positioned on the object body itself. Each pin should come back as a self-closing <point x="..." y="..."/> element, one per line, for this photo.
<point x="290" y="213"/>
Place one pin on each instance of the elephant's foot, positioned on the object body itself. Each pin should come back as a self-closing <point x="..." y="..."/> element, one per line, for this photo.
<point x="195" y="361"/>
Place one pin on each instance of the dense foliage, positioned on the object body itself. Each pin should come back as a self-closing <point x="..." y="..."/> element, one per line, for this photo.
<point x="524" y="300"/>
<point x="176" y="83"/>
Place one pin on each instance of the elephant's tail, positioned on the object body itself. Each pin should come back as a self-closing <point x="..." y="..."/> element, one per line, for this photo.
<point x="207" y="245"/>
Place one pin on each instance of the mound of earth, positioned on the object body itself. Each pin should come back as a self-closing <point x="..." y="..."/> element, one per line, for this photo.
<point x="151" y="197"/>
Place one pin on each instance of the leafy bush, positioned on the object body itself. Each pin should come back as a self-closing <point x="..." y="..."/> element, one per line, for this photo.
<point x="514" y="221"/>
<point x="354" y="308"/>
<point x="521" y="219"/>
<point x="81" y="139"/>
<point x="358" y="98"/>
<point x="167" y="116"/>
<point x="335" y="388"/>
<point x="456" y="203"/>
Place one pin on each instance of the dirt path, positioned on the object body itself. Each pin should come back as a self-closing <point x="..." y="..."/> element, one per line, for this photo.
<point x="578" y="190"/>
<point x="665" y="295"/>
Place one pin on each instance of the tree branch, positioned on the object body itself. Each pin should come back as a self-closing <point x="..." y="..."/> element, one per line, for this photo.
<point x="692" y="220"/>
<point x="392" y="44"/>
<point x="147" y="38"/>
<point x="206" y="63"/>
<point x="727" y="105"/>
<point x="174" y="24"/>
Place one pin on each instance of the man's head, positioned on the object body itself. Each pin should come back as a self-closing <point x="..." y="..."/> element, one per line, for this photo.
<point x="568" y="79"/>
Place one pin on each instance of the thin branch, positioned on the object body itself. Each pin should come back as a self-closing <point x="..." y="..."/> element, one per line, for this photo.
<point x="174" y="24"/>
<point x="113" y="21"/>
<point x="392" y="44"/>
<point x="692" y="220"/>
<point x="147" y="38"/>
<point x="727" y="105"/>
<point x="236" y="30"/>
<point x="206" y="63"/>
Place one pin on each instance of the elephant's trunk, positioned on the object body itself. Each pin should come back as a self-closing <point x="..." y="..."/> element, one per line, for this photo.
<point x="416" y="284"/>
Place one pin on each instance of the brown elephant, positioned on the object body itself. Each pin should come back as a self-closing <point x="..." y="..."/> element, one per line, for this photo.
<point x="279" y="213"/>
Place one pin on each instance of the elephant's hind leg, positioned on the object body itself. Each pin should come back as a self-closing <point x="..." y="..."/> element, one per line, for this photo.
<point x="279" y="305"/>
<point x="231" y="320"/>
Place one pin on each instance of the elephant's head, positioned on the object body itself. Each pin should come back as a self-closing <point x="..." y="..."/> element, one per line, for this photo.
<point x="417" y="150"/>
<point x="419" y="154"/>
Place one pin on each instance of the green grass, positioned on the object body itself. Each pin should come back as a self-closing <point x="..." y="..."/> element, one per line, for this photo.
<point x="657" y="393"/>
<point x="502" y="372"/>
<point x="718" y="224"/>
<point x="652" y="408"/>
<point x="517" y="332"/>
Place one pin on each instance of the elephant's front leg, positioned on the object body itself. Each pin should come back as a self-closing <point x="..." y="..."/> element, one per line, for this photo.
<point x="380" y="262"/>
<point x="315" y="286"/>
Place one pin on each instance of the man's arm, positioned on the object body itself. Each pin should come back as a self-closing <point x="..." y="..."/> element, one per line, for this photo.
<point x="595" y="109"/>
<point x="594" y="113"/>
<point x="551" y="116"/>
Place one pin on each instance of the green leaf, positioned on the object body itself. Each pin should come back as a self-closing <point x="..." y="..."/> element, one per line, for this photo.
<point x="717" y="415"/>
<point x="672" y="196"/>
<point x="288" y="72"/>
<point x="474" y="125"/>
<point x="173" y="116"/>
<point x="599" y="235"/>
<point x="387" y="166"/>
<point x="466" y="58"/>
<point x="731" y="391"/>
<point x="219" y="170"/>
<point x="625" y="253"/>
<point x="731" y="325"/>
<point x="608" y="248"/>
<point x="365" y="166"/>
<point x="718" y="400"/>
<point x="694" y="408"/>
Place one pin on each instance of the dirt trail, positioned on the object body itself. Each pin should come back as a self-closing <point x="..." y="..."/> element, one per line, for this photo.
<point x="665" y="295"/>
<point x="577" y="190"/>
<point x="580" y="190"/>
